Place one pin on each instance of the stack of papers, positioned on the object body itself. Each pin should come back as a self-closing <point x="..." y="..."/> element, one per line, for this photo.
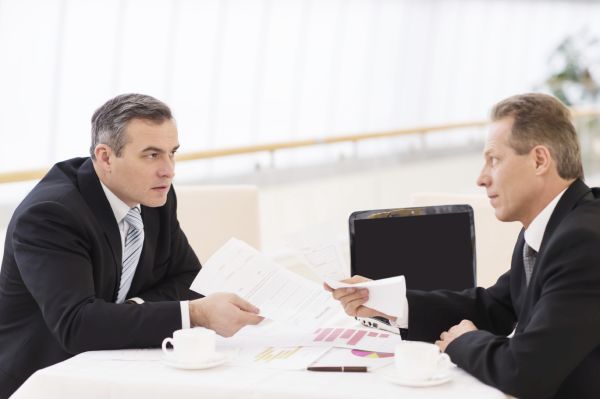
<point x="300" y="311"/>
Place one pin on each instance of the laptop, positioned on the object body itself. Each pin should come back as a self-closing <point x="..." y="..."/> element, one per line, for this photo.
<point x="432" y="246"/>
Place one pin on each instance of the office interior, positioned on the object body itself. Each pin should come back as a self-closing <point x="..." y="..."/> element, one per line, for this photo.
<point x="324" y="107"/>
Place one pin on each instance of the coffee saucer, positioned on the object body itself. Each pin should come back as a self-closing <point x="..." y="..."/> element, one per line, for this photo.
<point x="214" y="360"/>
<point x="393" y="376"/>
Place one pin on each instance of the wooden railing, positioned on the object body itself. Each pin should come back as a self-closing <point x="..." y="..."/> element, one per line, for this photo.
<point x="10" y="177"/>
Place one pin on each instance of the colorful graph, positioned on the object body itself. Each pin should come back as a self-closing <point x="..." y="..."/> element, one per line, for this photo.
<point x="371" y="355"/>
<point x="352" y="336"/>
<point x="270" y="354"/>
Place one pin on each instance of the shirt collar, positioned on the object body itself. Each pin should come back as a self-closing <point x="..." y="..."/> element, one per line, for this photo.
<point x="535" y="232"/>
<point x="118" y="207"/>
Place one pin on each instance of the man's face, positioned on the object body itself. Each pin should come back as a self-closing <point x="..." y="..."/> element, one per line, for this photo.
<point x="145" y="169"/>
<point x="509" y="179"/>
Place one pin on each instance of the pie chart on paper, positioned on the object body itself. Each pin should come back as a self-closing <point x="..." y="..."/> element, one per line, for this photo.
<point x="372" y="355"/>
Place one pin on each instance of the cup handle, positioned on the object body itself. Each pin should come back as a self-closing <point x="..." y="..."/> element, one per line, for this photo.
<point x="444" y="361"/>
<point x="164" y="345"/>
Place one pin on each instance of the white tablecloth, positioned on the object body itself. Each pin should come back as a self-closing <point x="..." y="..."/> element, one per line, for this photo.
<point x="87" y="376"/>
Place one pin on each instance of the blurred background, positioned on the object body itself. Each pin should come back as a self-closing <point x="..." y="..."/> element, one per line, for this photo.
<point x="295" y="74"/>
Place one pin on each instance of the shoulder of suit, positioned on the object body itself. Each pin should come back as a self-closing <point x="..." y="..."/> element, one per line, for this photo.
<point x="58" y="185"/>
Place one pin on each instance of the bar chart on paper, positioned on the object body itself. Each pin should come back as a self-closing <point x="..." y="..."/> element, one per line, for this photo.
<point x="285" y="358"/>
<point x="356" y="338"/>
<point x="270" y="354"/>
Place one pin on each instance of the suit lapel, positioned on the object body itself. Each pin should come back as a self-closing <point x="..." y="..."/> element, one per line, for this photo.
<point x="92" y="192"/>
<point x="518" y="286"/>
<point x="528" y="296"/>
<point x="576" y="191"/>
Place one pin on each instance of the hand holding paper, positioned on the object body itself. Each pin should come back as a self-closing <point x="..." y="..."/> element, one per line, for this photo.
<point x="386" y="295"/>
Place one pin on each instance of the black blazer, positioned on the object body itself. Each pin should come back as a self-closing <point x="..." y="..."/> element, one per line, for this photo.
<point x="555" y="351"/>
<point x="61" y="270"/>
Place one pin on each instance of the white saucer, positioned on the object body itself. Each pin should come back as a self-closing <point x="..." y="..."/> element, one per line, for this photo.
<point x="392" y="375"/>
<point x="215" y="360"/>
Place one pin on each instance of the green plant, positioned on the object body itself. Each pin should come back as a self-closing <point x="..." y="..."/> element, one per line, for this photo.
<point x="576" y="65"/>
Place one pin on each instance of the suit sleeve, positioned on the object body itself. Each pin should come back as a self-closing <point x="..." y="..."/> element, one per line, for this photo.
<point x="183" y="264"/>
<point x="52" y="251"/>
<point x="562" y="329"/>
<point x="431" y="313"/>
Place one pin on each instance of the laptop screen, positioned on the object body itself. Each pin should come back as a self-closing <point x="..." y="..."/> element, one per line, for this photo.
<point x="433" y="247"/>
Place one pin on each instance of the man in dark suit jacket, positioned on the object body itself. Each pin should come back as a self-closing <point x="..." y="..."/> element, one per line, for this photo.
<point x="550" y="297"/>
<point x="63" y="287"/>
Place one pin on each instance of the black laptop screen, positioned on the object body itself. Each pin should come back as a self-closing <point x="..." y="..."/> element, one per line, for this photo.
<point x="431" y="250"/>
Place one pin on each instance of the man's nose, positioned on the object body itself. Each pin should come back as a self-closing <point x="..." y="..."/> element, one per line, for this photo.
<point x="167" y="169"/>
<point x="483" y="180"/>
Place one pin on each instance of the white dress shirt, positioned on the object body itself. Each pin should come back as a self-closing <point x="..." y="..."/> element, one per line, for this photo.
<point x="533" y="237"/>
<point x="120" y="210"/>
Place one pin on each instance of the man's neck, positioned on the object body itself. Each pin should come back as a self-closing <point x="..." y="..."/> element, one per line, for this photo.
<point x="549" y="192"/>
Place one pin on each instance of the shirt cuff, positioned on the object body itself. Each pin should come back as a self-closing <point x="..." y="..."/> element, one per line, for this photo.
<point x="137" y="300"/>
<point x="185" y="314"/>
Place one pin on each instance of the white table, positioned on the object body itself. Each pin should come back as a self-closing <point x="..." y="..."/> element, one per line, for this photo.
<point x="87" y="376"/>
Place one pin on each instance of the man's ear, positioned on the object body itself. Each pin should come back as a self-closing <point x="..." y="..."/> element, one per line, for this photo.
<point x="542" y="158"/>
<point x="103" y="157"/>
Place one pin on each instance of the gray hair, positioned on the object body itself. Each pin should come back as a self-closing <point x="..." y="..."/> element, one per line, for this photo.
<point x="543" y="119"/>
<point x="110" y="120"/>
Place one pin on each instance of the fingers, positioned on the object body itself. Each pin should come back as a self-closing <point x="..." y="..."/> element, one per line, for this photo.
<point x="243" y="304"/>
<point x="356" y="279"/>
<point x="351" y="305"/>
<point x="327" y="287"/>
<point x="246" y="318"/>
<point x="442" y="345"/>
<point x="345" y="294"/>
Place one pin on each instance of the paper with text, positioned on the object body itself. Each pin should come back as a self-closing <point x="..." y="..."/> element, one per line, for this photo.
<point x="279" y="294"/>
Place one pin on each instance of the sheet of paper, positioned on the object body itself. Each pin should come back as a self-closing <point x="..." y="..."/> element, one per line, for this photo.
<point x="290" y="358"/>
<point x="332" y="335"/>
<point x="279" y="294"/>
<point x="366" y="339"/>
<point x="327" y="257"/>
<point x="355" y="357"/>
<point x="386" y="295"/>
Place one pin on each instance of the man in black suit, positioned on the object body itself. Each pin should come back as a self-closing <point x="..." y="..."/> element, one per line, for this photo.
<point x="94" y="256"/>
<point x="550" y="297"/>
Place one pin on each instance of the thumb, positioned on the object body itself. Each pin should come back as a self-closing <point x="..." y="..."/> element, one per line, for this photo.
<point x="244" y="305"/>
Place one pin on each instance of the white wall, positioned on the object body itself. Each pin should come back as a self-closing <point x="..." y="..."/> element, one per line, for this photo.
<point x="289" y="208"/>
<point x="249" y="71"/>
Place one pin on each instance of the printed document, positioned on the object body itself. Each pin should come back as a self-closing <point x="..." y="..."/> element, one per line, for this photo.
<point x="279" y="294"/>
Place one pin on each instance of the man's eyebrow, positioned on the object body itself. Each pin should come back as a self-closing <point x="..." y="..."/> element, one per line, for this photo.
<point x="159" y="150"/>
<point x="153" y="149"/>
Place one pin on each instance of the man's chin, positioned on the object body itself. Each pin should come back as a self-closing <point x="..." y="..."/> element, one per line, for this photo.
<point x="155" y="202"/>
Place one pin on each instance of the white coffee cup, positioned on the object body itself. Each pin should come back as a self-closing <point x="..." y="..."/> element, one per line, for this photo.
<point x="417" y="360"/>
<point x="190" y="345"/>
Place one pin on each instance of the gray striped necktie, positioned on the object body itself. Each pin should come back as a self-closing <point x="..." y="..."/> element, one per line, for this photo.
<point x="134" y="241"/>
<point x="529" y="255"/>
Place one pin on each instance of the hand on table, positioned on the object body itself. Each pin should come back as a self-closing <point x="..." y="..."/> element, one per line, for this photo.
<point x="454" y="332"/>
<point x="223" y="312"/>
<point x="353" y="299"/>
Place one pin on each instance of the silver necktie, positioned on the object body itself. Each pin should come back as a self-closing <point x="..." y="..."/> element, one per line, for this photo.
<point x="529" y="256"/>
<point x="134" y="241"/>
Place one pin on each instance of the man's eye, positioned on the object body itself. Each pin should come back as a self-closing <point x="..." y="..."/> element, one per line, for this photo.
<point x="153" y="155"/>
